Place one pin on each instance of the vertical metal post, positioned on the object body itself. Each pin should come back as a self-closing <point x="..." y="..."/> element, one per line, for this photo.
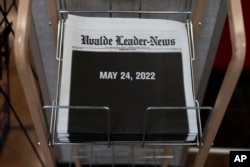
<point x="75" y="150"/>
<point x="110" y="8"/>
<point x="140" y="8"/>
<point x="238" y="40"/>
<point x="113" y="156"/>
<point x="53" y="17"/>
<point x="27" y="79"/>
<point x="167" y="151"/>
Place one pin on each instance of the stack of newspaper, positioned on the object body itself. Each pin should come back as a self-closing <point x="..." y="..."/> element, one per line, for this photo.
<point x="128" y="79"/>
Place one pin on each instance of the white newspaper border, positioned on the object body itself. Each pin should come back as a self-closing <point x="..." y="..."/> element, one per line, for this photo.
<point x="94" y="27"/>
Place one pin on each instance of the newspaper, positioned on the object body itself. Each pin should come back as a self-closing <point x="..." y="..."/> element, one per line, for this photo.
<point x="121" y="45"/>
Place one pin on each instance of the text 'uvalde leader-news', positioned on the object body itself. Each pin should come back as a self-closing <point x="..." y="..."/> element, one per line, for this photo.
<point x="122" y="41"/>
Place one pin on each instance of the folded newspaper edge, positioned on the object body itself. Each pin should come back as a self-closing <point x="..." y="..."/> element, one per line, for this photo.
<point x="123" y="35"/>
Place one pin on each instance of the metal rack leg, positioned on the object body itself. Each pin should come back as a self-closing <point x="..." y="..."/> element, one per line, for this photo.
<point x="76" y="153"/>
<point x="168" y="150"/>
<point x="27" y="79"/>
<point x="238" y="39"/>
<point x="53" y="17"/>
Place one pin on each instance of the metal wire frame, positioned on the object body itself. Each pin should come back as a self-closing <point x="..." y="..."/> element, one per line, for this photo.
<point x="63" y="12"/>
<point x="130" y="155"/>
<point x="55" y="106"/>
<point x="55" y="109"/>
<point x="64" y="9"/>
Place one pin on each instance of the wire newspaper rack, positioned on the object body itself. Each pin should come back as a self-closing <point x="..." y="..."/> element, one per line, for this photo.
<point x="65" y="8"/>
<point x="54" y="112"/>
<point x="123" y="155"/>
<point x="120" y="8"/>
<point x="81" y="148"/>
